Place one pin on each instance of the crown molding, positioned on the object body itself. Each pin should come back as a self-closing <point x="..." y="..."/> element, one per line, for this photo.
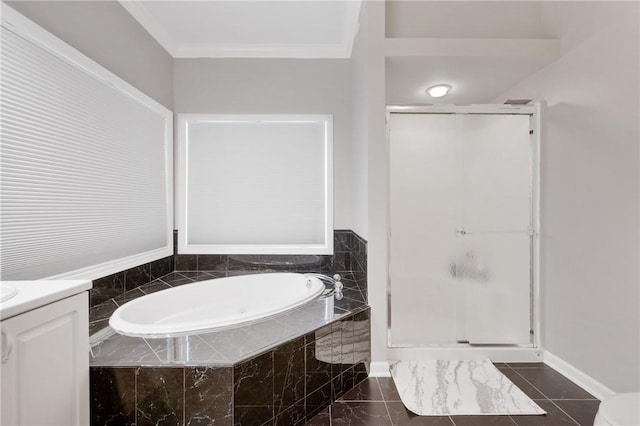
<point x="262" y="51"/>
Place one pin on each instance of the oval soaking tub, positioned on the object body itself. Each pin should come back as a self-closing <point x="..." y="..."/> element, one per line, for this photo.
<point x="216" y="303"/>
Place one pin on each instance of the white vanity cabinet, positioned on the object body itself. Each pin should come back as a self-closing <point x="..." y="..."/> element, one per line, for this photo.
<point x="45" y="361"/>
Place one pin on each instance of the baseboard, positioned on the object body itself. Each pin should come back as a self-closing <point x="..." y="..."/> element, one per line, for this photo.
<point x="578" y="377"/>
<point x="379" y="369"/>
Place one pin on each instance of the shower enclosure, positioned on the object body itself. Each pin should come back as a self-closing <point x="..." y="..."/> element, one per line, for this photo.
<point x="463" y="203"/>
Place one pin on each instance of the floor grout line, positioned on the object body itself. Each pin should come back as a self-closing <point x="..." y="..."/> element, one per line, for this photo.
<point x="532" y="385"/>
<point x="565" y="413"/>
<point x="386" y="407"/>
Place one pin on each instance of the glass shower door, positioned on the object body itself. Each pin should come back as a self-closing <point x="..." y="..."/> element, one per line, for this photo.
<point x="496" y="229"/>
<point x="424" y="214"/>
<point x="460" y="218"/>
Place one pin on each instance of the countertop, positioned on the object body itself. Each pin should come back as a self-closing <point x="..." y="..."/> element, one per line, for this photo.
<point x="33" y="294"/>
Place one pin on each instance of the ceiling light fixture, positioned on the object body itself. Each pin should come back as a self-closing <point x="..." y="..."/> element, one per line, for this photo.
<point x="438" y="90"/>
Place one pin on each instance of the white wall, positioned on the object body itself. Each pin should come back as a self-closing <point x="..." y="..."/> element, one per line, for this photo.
<point x="105" y="32"/>
<point x="590" y="190"/>
<point x="377" y="182"/>
<point x="359" y="129"/>
<point x="274" y="86"/>
<point x="463" y="19"/>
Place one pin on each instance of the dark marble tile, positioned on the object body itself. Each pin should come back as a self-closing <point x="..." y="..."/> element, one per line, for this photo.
<point x="521" y="383"/>
<point x="483" y="421"/>
<point x="553" y="384"/>
<point x="186" y="262"/>
<point x="367" y="390"/>
<point x="293" y="415"/>
<point x="96" y="326"/>
<point x="159" y="396"/>
<point x="341" y="358"/>
<point x="161" y="267"/>
<point x="175" y="279"/>
<point x="349" y="304"/>
<point x="207" y="396"/>
<point x="388" y="389"/>
<point x="309" y="338"/>
<point x="400" y="416"/>
<point x="342" y="261"/>
<point x="291" y="263"/>
<point x="107" y="287"/>
<point x="348" y="281"/>
<point x="363" y="315"/>
<point x="119" y="350"/>
<point x="360" y="373"/>
<point x="342" y="384"/>
<point x="361" y="346"/>
<point x="175" y="241"/>
<point x="252" y="415"/>
<point x="128" y="295"/>
<point x="360" y="413"/>
<point x="102" y="311"/>
<point x="112" y="396"/>
<point x="212" y="262"/>
<point x="231" y="343"/>
<point x="201" y="275"/>
<point x="98" y="296"/>
<point x="318" y="399"/>
<point x="322" y="418"/>
<point x="527" y="365"/>
<point x="189" y="350"/>
<point x="239" y="272"/>
<point x="554" y="417"/>
<point x="318" y="371"/>
<point x="353" y="293"/>
<point x="322" y="331"/>
<point x="259" y="262"/>
<point x="583" y="412"/>
<point x="154" y="286"/>
<point x="342" y="240"/>
<point x="137" y="276"/>
<point x="253" y="381"/>
<point x="289" y="375"/>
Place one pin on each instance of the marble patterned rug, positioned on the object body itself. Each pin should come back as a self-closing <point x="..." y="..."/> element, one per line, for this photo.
<point x="452" y="388"/>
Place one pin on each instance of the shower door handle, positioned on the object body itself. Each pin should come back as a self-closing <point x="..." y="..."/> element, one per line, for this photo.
<point x="461" y="232"/>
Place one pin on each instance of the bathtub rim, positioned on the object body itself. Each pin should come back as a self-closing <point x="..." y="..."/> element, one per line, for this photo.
<point x="116" y="322"/>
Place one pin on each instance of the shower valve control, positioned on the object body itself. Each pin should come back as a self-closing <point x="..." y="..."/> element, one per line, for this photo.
<point x="460" y="232"/>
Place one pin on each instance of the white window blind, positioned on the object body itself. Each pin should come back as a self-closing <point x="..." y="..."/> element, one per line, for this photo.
<point x="86" y="167"/>
<point x="255" y="184"/>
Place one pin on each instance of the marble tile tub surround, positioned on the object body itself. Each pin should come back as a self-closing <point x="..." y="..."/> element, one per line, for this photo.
<point x="219" y="348"/>
<point x="350" y="255"/>
<point x="115" y="285"/>
<point x="286" y="385"/>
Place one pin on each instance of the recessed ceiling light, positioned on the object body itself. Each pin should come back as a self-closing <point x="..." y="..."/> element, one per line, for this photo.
<point x="439" y="90"/>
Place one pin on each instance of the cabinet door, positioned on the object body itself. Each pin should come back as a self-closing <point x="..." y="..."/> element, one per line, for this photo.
<point x="45" y="379"/>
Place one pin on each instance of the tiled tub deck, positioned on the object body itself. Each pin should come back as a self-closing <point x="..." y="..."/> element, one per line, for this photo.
<point x="281" y="371"/>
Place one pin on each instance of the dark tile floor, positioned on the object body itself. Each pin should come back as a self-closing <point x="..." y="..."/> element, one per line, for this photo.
<point x="375" y="402"/>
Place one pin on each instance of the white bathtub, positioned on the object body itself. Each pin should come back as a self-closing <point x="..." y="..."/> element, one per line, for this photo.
<point x="212" y="304"/>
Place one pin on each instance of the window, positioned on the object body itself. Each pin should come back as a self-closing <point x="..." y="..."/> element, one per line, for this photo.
<point x="255" y="184"/>
<point x="86" y="164"/>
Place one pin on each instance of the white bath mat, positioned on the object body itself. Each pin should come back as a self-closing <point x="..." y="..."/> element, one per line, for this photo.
<point x="452" y="388"/>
